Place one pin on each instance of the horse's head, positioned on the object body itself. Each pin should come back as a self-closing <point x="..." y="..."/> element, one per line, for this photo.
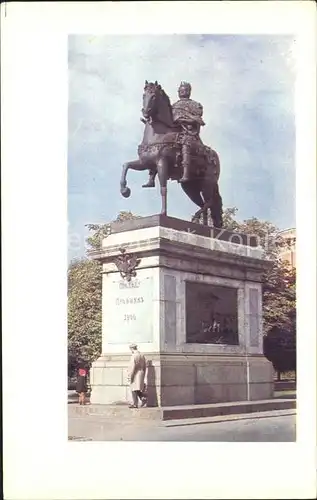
<point x="150" y="99"/>
<point x="156" y="104"/>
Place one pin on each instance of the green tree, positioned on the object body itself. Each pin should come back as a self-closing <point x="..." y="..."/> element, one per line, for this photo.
<point x="228" y="219"/>
<point x="101" y="231"/>
<point x="280" y="348"/>
<point x="279" y="313"/>
<point x="267" y="234"/>
<point x="84" y="300"/>
<point x="84" y="311"/>
<point x="279" y="297"/>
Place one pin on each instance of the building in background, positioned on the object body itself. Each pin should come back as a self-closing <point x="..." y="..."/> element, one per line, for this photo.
<point x="288" y="250"/>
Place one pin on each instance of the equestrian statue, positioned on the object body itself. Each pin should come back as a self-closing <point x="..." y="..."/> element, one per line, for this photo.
<point x="172" y="149"/>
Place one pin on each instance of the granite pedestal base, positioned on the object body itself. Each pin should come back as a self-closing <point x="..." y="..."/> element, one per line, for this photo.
<point x="185" y="379"/>
<point x="165" y="310"/>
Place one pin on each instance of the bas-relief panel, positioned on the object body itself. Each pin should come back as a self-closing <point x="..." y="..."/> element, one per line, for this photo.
<point x="181" y="345"/>
<point x="211" y="314"/>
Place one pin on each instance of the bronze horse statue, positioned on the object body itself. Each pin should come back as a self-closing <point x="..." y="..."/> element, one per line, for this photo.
<point x="160" y="153"/>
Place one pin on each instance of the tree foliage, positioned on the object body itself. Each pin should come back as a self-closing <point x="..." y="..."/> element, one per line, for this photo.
<point x="266" y="233"/>
<point x="84" y="311"/>
<point x="101" y="231"/>
<point x="280" y="348"/>
<point x="279" y="298"/>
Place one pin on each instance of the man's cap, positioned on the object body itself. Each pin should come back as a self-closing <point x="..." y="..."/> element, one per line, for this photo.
<point x="133" y="346"/>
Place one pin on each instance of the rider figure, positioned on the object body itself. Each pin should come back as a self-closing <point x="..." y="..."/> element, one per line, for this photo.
<point x="188" y="114"/>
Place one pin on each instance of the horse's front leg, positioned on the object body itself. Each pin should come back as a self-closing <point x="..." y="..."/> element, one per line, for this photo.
<point x="134" y="165"/>
<point x="162" y="171"/>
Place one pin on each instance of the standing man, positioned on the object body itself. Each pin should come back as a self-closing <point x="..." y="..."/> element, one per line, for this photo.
<point x="136" y="376"/>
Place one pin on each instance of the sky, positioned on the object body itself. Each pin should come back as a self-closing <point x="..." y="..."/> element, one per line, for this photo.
<point x="246" y="86"/>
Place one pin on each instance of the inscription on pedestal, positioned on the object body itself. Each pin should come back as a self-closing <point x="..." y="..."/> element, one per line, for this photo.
<point x="128" y="311"/>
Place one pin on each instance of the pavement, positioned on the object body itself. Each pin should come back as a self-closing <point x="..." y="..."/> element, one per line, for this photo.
<point x="274" y="426"/>
<point x="265" y="426"/>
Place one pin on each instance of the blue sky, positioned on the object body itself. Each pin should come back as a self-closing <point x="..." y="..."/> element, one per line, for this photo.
<point x="246" y="86"/>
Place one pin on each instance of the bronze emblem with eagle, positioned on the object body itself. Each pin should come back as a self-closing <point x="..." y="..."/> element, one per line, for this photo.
<point x="126" y="264"/>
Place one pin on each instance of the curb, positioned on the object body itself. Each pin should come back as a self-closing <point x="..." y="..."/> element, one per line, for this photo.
<point x="228" y="418"/>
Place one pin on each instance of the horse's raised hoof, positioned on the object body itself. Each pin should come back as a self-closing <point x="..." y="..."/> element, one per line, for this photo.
<point x="125" y="192"/>
<point x="148" y="185"/>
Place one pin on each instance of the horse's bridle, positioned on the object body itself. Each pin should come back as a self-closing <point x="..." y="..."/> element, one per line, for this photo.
<point x="150" y="119"/>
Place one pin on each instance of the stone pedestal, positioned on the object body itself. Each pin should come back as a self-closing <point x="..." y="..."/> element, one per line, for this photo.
<point x="194" y="309"/>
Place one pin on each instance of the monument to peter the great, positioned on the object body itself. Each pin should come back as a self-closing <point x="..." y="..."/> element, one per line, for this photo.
<point x="189" y="294"/>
